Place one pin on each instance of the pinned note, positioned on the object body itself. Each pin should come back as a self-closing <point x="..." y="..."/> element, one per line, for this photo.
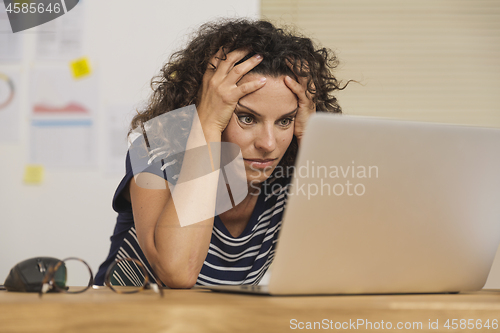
<point x="33" y="174"/>
<point x="80" y="68"/>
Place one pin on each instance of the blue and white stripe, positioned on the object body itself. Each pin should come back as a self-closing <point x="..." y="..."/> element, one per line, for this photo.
<point x="230" y="260"/>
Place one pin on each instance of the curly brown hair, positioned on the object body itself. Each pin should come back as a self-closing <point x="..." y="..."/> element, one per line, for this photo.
<point x="180" y="79"/>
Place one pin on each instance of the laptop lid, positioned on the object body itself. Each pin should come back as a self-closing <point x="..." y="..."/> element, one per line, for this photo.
<point x="388" y="206"/>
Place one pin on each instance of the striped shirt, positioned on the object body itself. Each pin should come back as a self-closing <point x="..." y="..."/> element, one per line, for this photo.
<point x="230" y="260"/>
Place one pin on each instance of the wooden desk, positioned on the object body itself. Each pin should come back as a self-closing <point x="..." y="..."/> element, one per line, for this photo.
<point x="204" y="311"/>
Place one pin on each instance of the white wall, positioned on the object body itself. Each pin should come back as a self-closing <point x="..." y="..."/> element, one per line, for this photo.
<point x="70" y="214"/>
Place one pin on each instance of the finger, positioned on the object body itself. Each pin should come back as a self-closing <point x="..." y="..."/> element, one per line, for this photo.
<point x="303" y="96"/>
<point x="215" y="60"/>
<point x="250" y="87"/>
<point x="225" y="65"/>
<point x="298" y="89"/>
<point x="304" y="67"/>
<point x="212" y="66"/>
<point x="240" y="70"/>
<point x="301" y="79"/>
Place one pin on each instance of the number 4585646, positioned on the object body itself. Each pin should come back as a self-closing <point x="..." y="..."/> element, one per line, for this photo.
<point x="470" y="324"/>
<point x="33" y="8"/>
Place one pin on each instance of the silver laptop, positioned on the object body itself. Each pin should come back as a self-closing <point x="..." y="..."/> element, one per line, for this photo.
<point x="387" y="206"/>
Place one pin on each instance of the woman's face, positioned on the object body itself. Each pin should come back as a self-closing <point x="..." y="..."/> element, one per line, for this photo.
<point x="262" y="126"/>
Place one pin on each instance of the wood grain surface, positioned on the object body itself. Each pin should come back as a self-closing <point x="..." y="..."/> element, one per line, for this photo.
<point x="205" y="311"/>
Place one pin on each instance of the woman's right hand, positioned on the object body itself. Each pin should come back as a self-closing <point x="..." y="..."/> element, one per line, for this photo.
<point x="219" y="93"/>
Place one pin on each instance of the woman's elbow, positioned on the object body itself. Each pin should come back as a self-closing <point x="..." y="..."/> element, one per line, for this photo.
<point x="181" y="284"/>
<point x="177" y="278"/>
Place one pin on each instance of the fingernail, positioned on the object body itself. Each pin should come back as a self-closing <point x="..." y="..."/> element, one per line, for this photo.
<point x="258" y="56"/>
<point x="263" y="79"/>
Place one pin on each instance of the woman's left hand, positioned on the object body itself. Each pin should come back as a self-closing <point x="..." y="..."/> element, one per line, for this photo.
<point x="306" y="106"/>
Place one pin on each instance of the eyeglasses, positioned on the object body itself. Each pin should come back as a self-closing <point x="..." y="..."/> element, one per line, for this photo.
<point x="124" y="276"/>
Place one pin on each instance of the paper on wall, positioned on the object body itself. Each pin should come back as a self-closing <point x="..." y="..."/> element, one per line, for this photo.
<point x="63" y="144"/>
<point x="61" y="39"/>
<point x="9" y="106"/>
<point x="10" y="43"/>
<point x="62" y="127"/>
<point x="118" y="118"/>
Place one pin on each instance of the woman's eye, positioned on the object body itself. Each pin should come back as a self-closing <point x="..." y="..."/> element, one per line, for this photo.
<point x="247" y="120"/>
<point x="286" y="122"/>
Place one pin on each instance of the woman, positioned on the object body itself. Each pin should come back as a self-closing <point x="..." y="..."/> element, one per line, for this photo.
<point x="253" y="85"/>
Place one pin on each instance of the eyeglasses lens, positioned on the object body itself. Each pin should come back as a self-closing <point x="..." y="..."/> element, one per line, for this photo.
<point x="72" y="276"/>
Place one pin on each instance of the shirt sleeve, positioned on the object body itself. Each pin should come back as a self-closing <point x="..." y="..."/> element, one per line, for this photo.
<point x="138" y="161"/>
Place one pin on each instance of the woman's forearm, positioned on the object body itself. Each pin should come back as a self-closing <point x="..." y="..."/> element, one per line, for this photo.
<point x="184" y="227"/>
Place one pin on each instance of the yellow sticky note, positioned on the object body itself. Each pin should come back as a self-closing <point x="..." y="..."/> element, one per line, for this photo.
<point x="80" y="67"/>
<point x="33" y="174"/>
